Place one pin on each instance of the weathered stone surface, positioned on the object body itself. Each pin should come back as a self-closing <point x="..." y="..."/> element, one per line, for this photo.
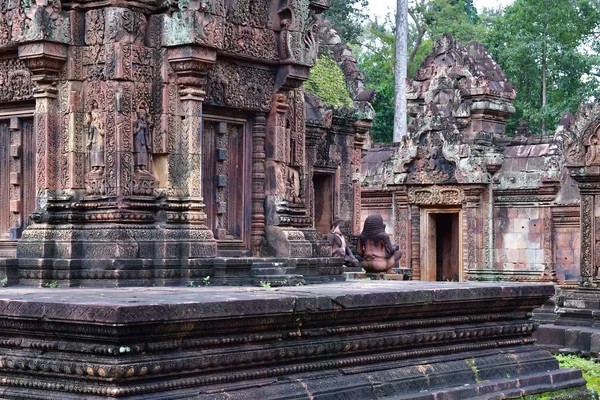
<point x="513" y="196"/>
<point x="363" y="340"/>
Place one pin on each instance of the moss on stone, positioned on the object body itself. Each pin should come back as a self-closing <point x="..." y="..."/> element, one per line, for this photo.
<point x="565" y="394"/>
<point x="327" y="82"/>
<point x="589" y="368"/>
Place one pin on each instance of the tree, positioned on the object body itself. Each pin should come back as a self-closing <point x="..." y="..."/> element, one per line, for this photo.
<point x="400" y="69"/>
<point x="376" y="60"/>
<point x="543" y="46"/>
<point x="348" y="18"/>
<point x="375" y="55"/>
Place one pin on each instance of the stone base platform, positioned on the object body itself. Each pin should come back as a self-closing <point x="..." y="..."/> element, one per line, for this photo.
<point x="351" y="340"/>
<point x="170" y="272"/>
<point x="576" y="324"/>
<point x="400" y="274"/>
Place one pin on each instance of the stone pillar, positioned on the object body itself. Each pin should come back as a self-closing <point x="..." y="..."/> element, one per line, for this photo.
<point x="361" y="129"/>
<point x="415" y="255"/>
<point x="471" y="234"/>
<point x="588" y="240"/>
<point x="313" y="133"/>
<point x="45" y="59"/>
<point x="259" y="246"/>
<point x="185" y="203"/>
<point x="402" y="225"/>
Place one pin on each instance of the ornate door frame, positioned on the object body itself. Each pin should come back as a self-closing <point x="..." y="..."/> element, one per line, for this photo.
<point x="425" y="201"/>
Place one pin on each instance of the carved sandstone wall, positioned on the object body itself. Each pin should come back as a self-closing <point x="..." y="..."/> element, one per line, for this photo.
<point x="175" y="129"/>
<point x="516" y="206"/>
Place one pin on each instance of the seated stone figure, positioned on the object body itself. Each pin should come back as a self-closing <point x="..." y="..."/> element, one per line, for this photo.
<point x="374" y="246"/>
<point x="339" y="248"/>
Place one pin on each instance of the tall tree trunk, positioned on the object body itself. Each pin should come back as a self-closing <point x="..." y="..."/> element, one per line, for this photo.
<point x="544" y="64"/>
<point x="400" y="69"/>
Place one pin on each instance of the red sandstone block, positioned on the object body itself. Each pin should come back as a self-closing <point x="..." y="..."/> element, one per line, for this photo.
<point x="535" y="225"/>
<point x="535" y="240"/>
<point x="15" y="206"/>
<point x="564" y="240"/>
<point x="520" y="225"/>
<point x="565" y="256"/>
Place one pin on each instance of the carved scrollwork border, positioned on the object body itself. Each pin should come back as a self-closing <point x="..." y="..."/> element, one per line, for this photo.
<point x="436" y="195"/>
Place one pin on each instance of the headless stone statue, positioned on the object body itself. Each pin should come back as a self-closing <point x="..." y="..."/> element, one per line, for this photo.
<point x="375" y="248"/>
<point x="339" y="248"/>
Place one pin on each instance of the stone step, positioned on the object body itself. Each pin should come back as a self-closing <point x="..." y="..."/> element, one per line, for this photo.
<point x="268" y="271"/>
<point x="266" y="264"/>
<point x="278" y="280"/>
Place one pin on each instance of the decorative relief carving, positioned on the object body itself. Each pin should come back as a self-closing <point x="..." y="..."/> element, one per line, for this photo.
<point x="15" y="81"/>
<point x="430" y="165"/>
<point x="436" y="195"/>
<point x="586" y="268"/>
<point x="94" y="27"/>
<point x="240" y="86"/>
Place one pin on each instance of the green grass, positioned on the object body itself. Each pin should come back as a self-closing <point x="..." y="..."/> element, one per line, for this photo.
<point x="590" y="369"/>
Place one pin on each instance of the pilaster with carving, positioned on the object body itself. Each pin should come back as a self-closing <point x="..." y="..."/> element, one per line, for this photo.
<point x="473" y="242"/>
<point x="186" y="204"/>
<point x="45" y="60"/>
<point x="258" y="185"/>
<point x="580" y="139"/>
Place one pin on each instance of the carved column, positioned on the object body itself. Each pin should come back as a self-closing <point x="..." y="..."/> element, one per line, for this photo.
<point x="361" y="129"/>
<point x="588" y="267"/>
<point x="473" y="256"/>
<point x="402" y="225"/>
<point x="186" y="203"/>
<point x="258" y="185"/>
<point x="415" y="256"/>
<point x="313" y="133"/>
<point x="45" y="59"/>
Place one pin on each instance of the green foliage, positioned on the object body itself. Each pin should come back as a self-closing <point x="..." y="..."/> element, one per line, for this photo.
<point x="376" y="61"/>
<point x="376" y="54"/>
<point x="204" y="282"/>
<point x="536" y="35"/>
<point x="590" y="369"/>
<point x="327" y="82"/>
<point x="265" y="285"/>
<point x="347" y="17"/>
<point x="4" y="282"/>
<point x="51" y="285"/>
<point x="456" y="17"/>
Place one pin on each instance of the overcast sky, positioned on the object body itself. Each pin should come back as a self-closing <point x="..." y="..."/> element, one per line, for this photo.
<point x="381" y="7"/>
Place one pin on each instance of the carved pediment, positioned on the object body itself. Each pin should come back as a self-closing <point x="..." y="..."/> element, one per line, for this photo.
<point x="430" y="166"/>
<point x="580" y="136"/>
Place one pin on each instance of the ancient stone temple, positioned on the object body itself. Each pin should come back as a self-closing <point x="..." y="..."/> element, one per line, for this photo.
<point x="574" y="326"/>
<point x="464" y="200"/>
<point x="148" y="139"/>
<point x="162" y="143"/>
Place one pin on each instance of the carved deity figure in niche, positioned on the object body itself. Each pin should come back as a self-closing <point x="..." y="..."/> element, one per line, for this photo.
<point x="375" y="247"/>
<point x="141" y="142"/>
<point x="339" y="248"/>
<point x="95" y="143"/>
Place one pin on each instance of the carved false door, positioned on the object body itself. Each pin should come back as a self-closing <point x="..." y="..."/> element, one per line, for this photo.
<point x="17" y="180"/>
<point x="227" y="184"/>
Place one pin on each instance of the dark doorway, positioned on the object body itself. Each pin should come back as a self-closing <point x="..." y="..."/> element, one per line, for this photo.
<point x="447" y="260"/>
<point x="323" y="206"/>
